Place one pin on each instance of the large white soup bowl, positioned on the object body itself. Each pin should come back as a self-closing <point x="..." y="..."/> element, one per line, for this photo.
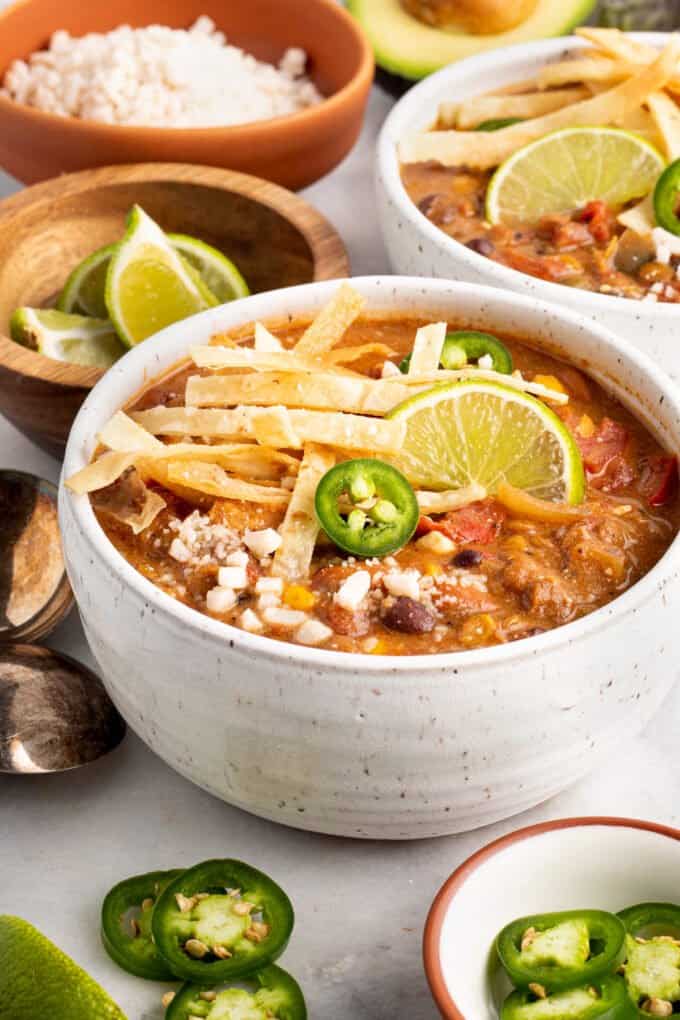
<point x="418" y="247"/>
<point x="363" y="745"/>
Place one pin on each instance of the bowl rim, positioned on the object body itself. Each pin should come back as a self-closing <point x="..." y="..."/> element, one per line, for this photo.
<point x="353" y="88"/>
<point x="323" y="240"/>
<point x="278" y="652"/>
<point x="430" y="90"/>
<point x="434" y="971"/>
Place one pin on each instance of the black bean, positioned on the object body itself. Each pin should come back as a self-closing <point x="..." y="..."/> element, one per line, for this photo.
<point x="482" y="245"/>
<point x="467" y="558"/>
<point x="427" y="203"/>
<point x="408" y="616"/>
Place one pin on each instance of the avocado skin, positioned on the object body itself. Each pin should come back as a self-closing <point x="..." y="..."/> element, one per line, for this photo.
<point x="399" y="68"/>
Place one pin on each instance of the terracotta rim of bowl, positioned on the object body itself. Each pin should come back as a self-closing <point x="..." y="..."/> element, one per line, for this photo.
<point x="495" y="273"/>
<point x="354" y="88"/>
<point x="442" y="902"/>
<point x="325" y="244"/>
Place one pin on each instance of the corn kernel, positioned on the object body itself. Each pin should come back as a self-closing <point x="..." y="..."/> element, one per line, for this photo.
<point x="516" y="543"/>
<point x="432" y="569"/>
<point x="551" y="382"/>
<point x="379" y="648"/>
<point x="295" y="596"/>
<point x="586" y="426"/>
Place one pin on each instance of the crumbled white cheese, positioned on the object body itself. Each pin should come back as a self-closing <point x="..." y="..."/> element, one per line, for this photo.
<point x="486" y="362"/>
<point x="313" y="632"/>
<point x="437" y="543"/>
<point x="403" y="582"/>
<point x="353" y="590"/>
<point x="179" y="551"/>
<point x="232" y="577"/>
<point x="237" y="559"/>
<point x="389" y="369"/>
<point x="221" y="600"/>
<point x="666" y="244"/>
<point x="287" y="619"/>
<point x="250" y="621"/>
<point x="264" y="584"/>
<point x="262" y="543"/>
<point x="268" y="600"/>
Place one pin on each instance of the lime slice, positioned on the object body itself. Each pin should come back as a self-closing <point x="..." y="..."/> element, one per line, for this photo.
<point x="216" y="270"/>
<point x="566" y="169"/>
<point x="83" y="292"/>
<point x="63" y="337"/>
<point x="148" y="284"/>
<point x="38" y="980"/>
<point x="484" y="432"/>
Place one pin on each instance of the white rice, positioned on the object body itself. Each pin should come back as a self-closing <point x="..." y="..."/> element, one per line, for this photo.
<point x="159" y="76"/>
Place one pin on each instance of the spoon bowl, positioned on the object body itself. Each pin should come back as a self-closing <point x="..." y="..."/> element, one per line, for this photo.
<point x="54" y="712"/>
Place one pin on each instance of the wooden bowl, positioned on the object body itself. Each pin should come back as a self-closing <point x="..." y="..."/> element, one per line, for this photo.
<point x="293" y="151"/>
<point x="275" y="238"/>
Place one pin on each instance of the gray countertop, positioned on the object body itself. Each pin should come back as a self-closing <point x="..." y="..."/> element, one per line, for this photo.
<point x="65" y="839"/>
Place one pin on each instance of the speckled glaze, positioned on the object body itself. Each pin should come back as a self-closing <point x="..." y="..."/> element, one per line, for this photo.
<point x="417" y="247"/>
<point x="362" y="745"/>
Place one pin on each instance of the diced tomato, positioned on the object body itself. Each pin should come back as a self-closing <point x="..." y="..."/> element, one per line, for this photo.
<point x="599" y="220"/>
<point x="604" y="456"/>
<point x="562" y="232"/>
<point x="546" y="267"/>
<point x="477" y="523"/>
<point x="660" y="480"/>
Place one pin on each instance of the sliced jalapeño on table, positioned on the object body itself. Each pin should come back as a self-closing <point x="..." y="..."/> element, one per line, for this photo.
<point x="366" y="507"/>
<point x="126" y="924"/>
<point x="221" y="920"/>
<point x="464" y="348"/>
<point x="273" y="995"/>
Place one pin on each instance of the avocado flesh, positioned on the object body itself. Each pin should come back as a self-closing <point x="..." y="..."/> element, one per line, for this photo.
<point x="407" y="47"/>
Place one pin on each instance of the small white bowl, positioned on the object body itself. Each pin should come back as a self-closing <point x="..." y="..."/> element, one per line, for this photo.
<point x="568" y="864"/>
<point x="365" y="745"/>
<point x="418" y="247"/>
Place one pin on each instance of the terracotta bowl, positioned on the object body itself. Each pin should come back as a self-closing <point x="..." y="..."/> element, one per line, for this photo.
<point x="567" y="864"/>
<point x="275" y="238"/>
<point x="293" y="151"/>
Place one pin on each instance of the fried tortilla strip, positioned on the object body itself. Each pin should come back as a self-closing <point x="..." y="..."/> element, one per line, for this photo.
<point x="138" y="522"/>
<point x="427" y="349"/>
<point x="103" y="471"/>
<point x="212" y="357"/>
<point x="479" y="149"/>
<point x="586" y="69"/>
<point x="449" y="499"/>
<point x="272" y="425"/>
<point x="345" y="431"/>
<point x="300" y="527"/>
<point x="214" y="481"/>
<point x="124" y="435"/>
<point x="472" y="112"/>
<point x="332" y="322"/>
<point x="640" y="218"/>
<point x="666" y="115"/>
<point x="346" y="355"/>
<point x="266" y="341"/>
<point x="619" y="45"/>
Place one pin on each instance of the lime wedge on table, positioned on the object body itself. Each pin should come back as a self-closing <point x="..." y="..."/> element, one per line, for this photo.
<point x="64" y="337"/>
<point x="566" y="169"/>
<point x="148" y="284"/>
<point x="38" y="980"/>
<point x="484" y="432"/>
<point x="216" y="270"/>
<point x="84" y="290"/>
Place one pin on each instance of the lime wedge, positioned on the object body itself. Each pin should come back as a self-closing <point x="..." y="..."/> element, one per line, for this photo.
<point x="83" y="292"/>
<point x="148" y="284"/>
<point x="484" y="432"/>
<point x="565" y="170"/>
<point x="216" y="270"/>
<point x="63" y="337"/>
<point x="38" y="980"/>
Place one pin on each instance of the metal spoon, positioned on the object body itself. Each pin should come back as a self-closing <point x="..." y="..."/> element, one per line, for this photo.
<point x="35" y="594"/>
<point x="54" y="712"/>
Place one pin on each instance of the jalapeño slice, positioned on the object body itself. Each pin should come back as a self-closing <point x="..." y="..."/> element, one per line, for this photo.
<point x="667" y="198"/>
<point x="652" y="974"/>
<point x="465" y="347"/>
<point x="650" y="919"/>
<point x="127" y="938"/>
<point x="603" y="1000"/>
<point x="274" y="995"/>
<point x="496" y="123"/>
<point x="220" y="921"/>
<point x="366" y="507"/>
<point x="562" y="950"/>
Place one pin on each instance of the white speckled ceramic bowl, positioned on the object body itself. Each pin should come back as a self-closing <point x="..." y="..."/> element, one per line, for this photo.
<point x="362" y="745"/>
<point x="570" y="864"/>
<point x="417" y="247"/>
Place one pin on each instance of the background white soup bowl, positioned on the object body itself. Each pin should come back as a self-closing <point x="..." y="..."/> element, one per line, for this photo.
<point x="364" y="745"/>
<point x="570" y="864"/>
<point x="418" y="247"/>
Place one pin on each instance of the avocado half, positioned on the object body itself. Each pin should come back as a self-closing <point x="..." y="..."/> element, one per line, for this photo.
<point x="405" y="46"/>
